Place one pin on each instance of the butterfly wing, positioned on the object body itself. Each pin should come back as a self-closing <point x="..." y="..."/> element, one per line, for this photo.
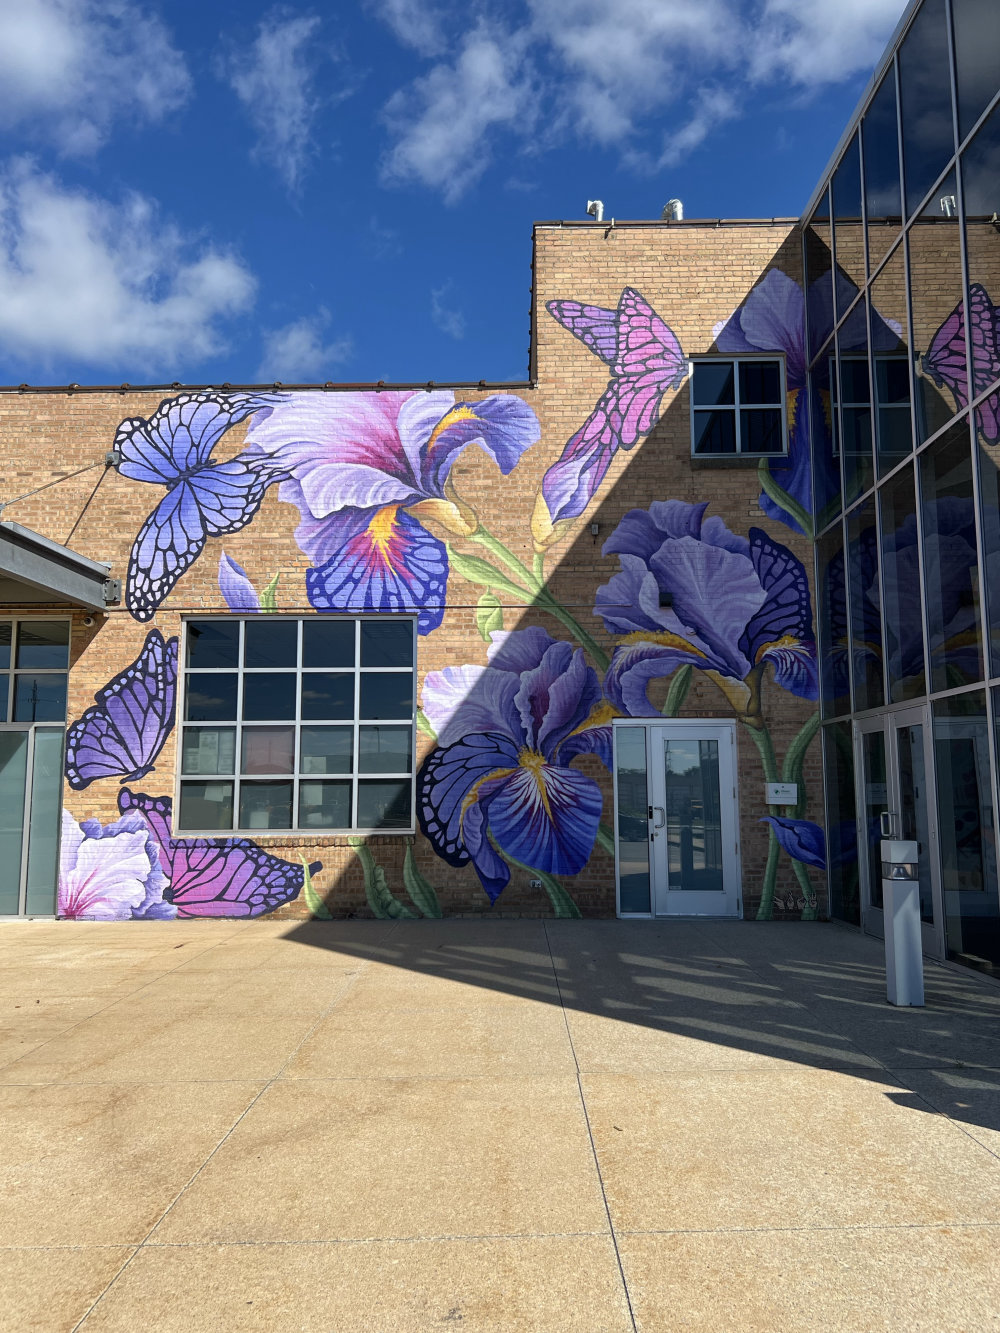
<point x="648" y="361"/>
<point x="570" y="483"/>
<point x="945" y="360"/>
<point x="123" y="733"/>
<point x="596" y="327"/>
<point x="984" y="327"/>
<point x="179" y="437"/>
<point x="786" y="612"/>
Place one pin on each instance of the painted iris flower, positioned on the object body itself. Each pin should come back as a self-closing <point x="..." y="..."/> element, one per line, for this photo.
<point x="365" y="469"/>
<point x="800" y="838"/>
<point x="234" y="583"/>
<point x="111" y="872"/>
<point x="500" y="781"/>
<point x="691" y="591"/>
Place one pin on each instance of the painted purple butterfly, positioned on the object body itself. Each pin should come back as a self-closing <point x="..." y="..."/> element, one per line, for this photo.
<point x="121" y="735"/>
<point x="945" y="359"/>
<point x="216" y="876"/>
<point x="646" y="360"/>
<point x="204" y="499"/>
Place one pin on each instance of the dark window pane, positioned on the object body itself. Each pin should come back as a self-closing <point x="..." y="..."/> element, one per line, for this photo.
<point x="6" y="635"/>
<point x="848" y="238"/>
<point x="384" y="750"/>
<point x="904" y="635"/>
<point x="925" y="93"/>
<point x="882" y="197"/>
<point x="819" y="280"/>
<point x="863" y="602"/>
<point x="876" y="798"/>
<point x="4" y="695"/>
<point x="43" y="644"/>
<point x="890" y="352"/>
<point x="265" y="805"/>
<point x="760" y="382"/>
<point x="833" y="644"/>
<point x="327" y="694"/>
<point x="210" y="697"/>
<point x="825" y="444"/>
<point x="268" y="750"/>
<point x="270" y="643"/>
<point x="328" y="643"/>
<point x="980" y="177"/>
<point x="977" y="58"/>
<point x="208" y="750"/>
<point x="842" y="831"/>
<point x="855" y="414"/>
<point x="270" y="697"/>
<point x="207" y="806"/>
<point x="324" y="805"/>
<point x="213" y="643"/>
<point x="760" y="431"/>
<point x="854" y="380"/>
<point x="939" y="348"/>
<point x="384" y="804"/>
<point x="386" y="695"/>
<point x="713" y="383"/>
<point x="951" y="572"/>
<point x="387" y="643"/>
<point x="40" y="698"/>
<point x="715" y="432"/>
<point x="327" y="749"/>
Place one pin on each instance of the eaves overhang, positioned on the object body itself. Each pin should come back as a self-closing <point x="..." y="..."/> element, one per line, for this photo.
<point x="42" y="570"/>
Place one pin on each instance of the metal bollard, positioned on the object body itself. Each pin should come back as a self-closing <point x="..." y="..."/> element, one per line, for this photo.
<point x="904" y="957"/>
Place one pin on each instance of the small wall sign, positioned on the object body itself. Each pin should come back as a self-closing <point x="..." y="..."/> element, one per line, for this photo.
<point x="782" y="793"/>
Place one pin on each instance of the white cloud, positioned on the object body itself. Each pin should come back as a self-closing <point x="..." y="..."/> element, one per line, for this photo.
<point x="414" y="23"/>
<point x="274" y="76"/>
<point x="86" y="281"/>
<point x="297" y="354"/>
<point x="70" y="68"/>
<point x="814" y="41"/>
<point x="712" y="108"/>
<point x="445" y="315"/>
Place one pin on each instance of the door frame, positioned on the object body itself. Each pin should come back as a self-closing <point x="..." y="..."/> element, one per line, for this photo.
<point x="654" y="728"/>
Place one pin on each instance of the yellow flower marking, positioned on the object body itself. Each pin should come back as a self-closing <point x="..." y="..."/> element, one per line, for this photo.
<point x="460" y="413"/>
<point x="599" y="716"/>
<point x="786" y="641"/>
<point x="665" y="639"/>
<point x="381" y="527"/>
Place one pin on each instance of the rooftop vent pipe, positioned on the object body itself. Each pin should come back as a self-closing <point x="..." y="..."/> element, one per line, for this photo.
<point x="673" y="211"/>
<point x="595" y="207"/>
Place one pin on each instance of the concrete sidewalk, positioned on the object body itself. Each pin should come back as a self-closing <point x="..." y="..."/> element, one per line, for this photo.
<point x="503" y="1126"/>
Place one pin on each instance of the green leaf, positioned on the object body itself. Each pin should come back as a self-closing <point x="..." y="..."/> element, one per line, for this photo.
<point x="383" y="903"/>
<point x="489" y="615"/>
<point x="606" y="838"/>
<point x="268" y="598"/>
<point x="783" y="500"/>
<point x="680" y="683"/>
<point x="562" y="904"/>
<point x="791" y="769"/>
<point x="474" y="570"/>
<point x="421" y="891"/>
<point x="423" y="724"/>
<point x="314" y="902"/>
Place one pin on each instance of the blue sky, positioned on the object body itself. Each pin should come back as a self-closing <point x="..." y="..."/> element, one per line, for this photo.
<point x="233" y="191"/>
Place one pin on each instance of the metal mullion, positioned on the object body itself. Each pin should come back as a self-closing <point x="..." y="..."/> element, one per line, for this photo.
<point x="960" y="196"/>
<point x="29" y="774"/>
<point x="979" y="123"/>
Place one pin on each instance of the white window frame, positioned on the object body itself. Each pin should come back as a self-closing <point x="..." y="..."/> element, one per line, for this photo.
<point x="355" y="722"/>
<point x="736" y="406"/>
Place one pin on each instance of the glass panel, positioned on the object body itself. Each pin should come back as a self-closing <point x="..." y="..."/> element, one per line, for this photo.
<point x="328" y="643"/>
<point x="387" y="643"/>
<point x="876" y="790"/>
<point x="386" y="695"/>
<point x="842" y="830"/>
<point x="693" y="816"/>
<point x="13" y="769"/>
<point x="327" y="749"/>
<point x="43" y="821"/>
<point x="268" y="642"/>
<point x="208" y="750"/>
<point x="210" y="697"/>
<point x="836" y="698"/>
<point x="633" y="819"/>
<point x="977" y="58"/>
<point x="326" y="694"/>
<point x="890" y="354"/>
<point x="989" y="492"/>
<point x="384" y="804"/>
<point x="324" y="805"/>
<point x="713" y="383"/>
<point x="40" y="698"/>
<point x="760" y="431"/>
<point x="760" y="382"/>
<point x="904" y="634"/>
<point x="819" y="282"/>
<point x="965" y="830"/>
<point x="925" y="97"/>
<point x="4" y="695"/>
<point x="941" y="387"/>
<point x="268" y="750"/>
<point x="951" y="574"/>
<point x="213" y="643"/>
<point x="854" y="404"/>
<point x="848" y="238"/>
<point x="980" y="174"/>
<point x="269" y="697"/>
<point x="6" y="635"/>
<point x="825" y="444"/>
<point x="863" y="600"/>
<point x="913" y="807"/>
<point x="882" y="198"/>
<point x="715" y="432"/>
<point x="43" y="644"/>
<point x="265" y="805"/>
<point x="384" y="750"/>
<point x="206" y="805"/>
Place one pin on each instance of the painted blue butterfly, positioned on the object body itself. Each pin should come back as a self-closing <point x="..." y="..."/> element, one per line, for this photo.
<point x="133" y="714"/>
<point x="204" y="499"/>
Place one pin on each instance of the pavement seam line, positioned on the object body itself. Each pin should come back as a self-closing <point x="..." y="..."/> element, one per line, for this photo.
<point x="590" y="1135"/>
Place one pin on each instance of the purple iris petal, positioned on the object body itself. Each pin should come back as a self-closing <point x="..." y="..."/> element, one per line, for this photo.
<point x="634" y="665"/>
<point x="503" y="426"/>
<point x="519" y="649"/>
<point x="545" y="817"/>
<point x="460" y="700"/>
<point x="234" y="584"/>
<point x="800" y="838"/>
<point x="771" y="319"/>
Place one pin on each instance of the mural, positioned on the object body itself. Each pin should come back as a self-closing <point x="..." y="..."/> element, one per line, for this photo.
<point x="946" y="360"/>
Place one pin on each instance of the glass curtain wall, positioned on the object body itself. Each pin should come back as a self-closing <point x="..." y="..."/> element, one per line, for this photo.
<point x="902" y="261"/>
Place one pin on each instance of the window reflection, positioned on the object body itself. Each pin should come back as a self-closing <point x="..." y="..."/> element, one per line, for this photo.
<point x="819" y="281"/>
<point x="864" y="608"/>
<point x="854" y="402"/>
<point x="925" y="97"/>
<point x="882" y="195"/>
<point x="848" y="240"/>
<point x="981" y="182"/>
<point x="904" y="635"/>
<point x="938" y="313"/>
<point x="977" y="58"/>
<point x="989" y="494"/>
<point x="833" y="641"/>
<point x="825" y="445"/>
<point x="890" y="355"/>
<point x="842" y="830"/>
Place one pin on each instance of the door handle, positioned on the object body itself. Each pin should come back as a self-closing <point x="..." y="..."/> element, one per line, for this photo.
<point x="663" y="816"/>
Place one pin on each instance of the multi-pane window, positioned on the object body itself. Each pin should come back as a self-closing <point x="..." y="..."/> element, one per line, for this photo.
<point x="34" y="658"/>
<point x="737" y="407"/>
<point x="297" y="724"/>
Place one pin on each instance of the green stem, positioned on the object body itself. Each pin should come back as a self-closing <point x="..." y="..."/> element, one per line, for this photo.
<point x="496" y="547"/>
<point x="783" y="500"/>
<point x="810" y="909"/>
<point x="423" y="724"/>
<point x="606" y="838"/>
<point x="791" y="769"/>
<point x="538" y="566"/>
<point x="765" y="746"/>
<point x="599" y="656"/>
<point x="562" y="904"/>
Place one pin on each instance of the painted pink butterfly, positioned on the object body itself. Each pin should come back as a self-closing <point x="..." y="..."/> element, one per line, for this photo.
<point x="945" y="359"/>
<point x="646" y="360"/>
